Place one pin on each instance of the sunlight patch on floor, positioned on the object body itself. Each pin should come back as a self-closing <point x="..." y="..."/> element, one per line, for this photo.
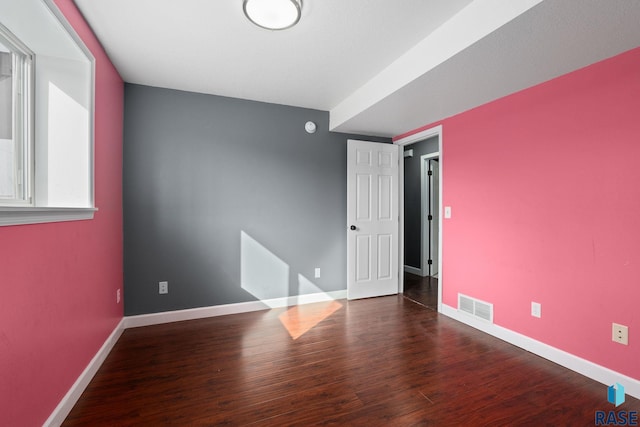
<point x="265" y="276"/>
<point x="300" y="319"/>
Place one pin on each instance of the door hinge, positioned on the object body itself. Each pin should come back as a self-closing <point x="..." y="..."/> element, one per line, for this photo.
<point x="430" y="173"/>
<point x="430" y="217"/>
<point x="430" y="262"/>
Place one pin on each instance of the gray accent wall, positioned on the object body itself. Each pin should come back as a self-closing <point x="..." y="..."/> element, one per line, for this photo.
<point x="229" y="201"/>
<point x="412" y="204"/>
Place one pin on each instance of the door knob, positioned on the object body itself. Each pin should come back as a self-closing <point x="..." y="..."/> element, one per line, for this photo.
<point x="353" y="227"/>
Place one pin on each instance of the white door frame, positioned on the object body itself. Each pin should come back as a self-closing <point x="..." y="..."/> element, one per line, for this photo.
<point x="417" y="137"/>
<point x="425" y="242"/>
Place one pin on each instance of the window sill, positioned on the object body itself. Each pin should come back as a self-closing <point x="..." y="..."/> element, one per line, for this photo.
<point x="39" y="215"/>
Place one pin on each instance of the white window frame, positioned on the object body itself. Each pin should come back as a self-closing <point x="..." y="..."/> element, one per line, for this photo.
<point x="22" y="122"/>
<point x="38" y="206"/>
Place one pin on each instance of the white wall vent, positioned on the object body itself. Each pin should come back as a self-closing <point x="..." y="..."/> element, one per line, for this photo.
<point x="475" y="307"/>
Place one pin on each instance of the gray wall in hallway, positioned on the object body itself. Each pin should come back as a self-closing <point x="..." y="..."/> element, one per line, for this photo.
<point x="200" y="170"/>
<point x="412" y="230"/>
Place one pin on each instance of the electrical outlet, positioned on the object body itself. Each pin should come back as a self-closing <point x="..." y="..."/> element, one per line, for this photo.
<point x="118" y="296"/>
<point x="163" y="287"/>
<point x="317" y="273"/>
<point x="620" y="334"/>
<point x="536" y="309"/>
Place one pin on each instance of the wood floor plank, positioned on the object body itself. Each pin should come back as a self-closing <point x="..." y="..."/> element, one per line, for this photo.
<point x="379" y="361"/>
<point x="423" y="290"/>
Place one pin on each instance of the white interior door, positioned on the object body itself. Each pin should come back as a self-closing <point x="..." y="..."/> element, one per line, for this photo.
<point x="372" y="219"/>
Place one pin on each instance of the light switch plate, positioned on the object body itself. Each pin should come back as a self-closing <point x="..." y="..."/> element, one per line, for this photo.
<point x="536" y="309"/>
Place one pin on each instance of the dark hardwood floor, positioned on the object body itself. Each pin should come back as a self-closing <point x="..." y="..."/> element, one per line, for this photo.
<point x="423" y="290"/>
<point x="381" y="361"/>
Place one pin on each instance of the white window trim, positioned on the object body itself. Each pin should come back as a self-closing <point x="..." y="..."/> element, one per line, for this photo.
<point x="30" y="214"/>
<point x="22" y="124"/>
<point x="38" y="215"/>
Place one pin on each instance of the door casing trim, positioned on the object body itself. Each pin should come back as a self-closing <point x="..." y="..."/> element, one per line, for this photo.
<point x="424" y="203"/>
<point x="411" y="139"/>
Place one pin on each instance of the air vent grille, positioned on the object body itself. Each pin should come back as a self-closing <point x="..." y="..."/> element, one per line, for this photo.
<point x="465" y="304"/>
<point x="480" y="309"/>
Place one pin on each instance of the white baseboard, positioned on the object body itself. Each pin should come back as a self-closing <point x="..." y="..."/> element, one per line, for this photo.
<point x="413" y="270"/>
<point x="221" y="310"/>
<point x="584" y="367"/>
<point x="67" y="403"/>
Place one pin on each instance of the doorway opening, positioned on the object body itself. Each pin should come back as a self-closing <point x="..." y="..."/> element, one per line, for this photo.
<point x="420" y="218"/>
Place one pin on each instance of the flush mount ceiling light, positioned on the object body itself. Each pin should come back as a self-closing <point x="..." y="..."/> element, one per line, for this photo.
<point x="273" y="14"/>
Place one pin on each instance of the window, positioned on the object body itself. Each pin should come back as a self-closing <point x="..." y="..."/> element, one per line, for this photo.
<point x="46" y="116"/>
<point x="16" y="113"/>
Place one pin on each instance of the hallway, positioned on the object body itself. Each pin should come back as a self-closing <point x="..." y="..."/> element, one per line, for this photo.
<point x="423" y="290"/>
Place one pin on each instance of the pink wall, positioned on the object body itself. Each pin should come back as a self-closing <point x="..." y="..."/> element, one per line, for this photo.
<point x="544" y="187"/>
<point x="59" y="281"/>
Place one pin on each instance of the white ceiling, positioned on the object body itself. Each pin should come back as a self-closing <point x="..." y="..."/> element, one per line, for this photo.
<point x="380" y="67"/>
